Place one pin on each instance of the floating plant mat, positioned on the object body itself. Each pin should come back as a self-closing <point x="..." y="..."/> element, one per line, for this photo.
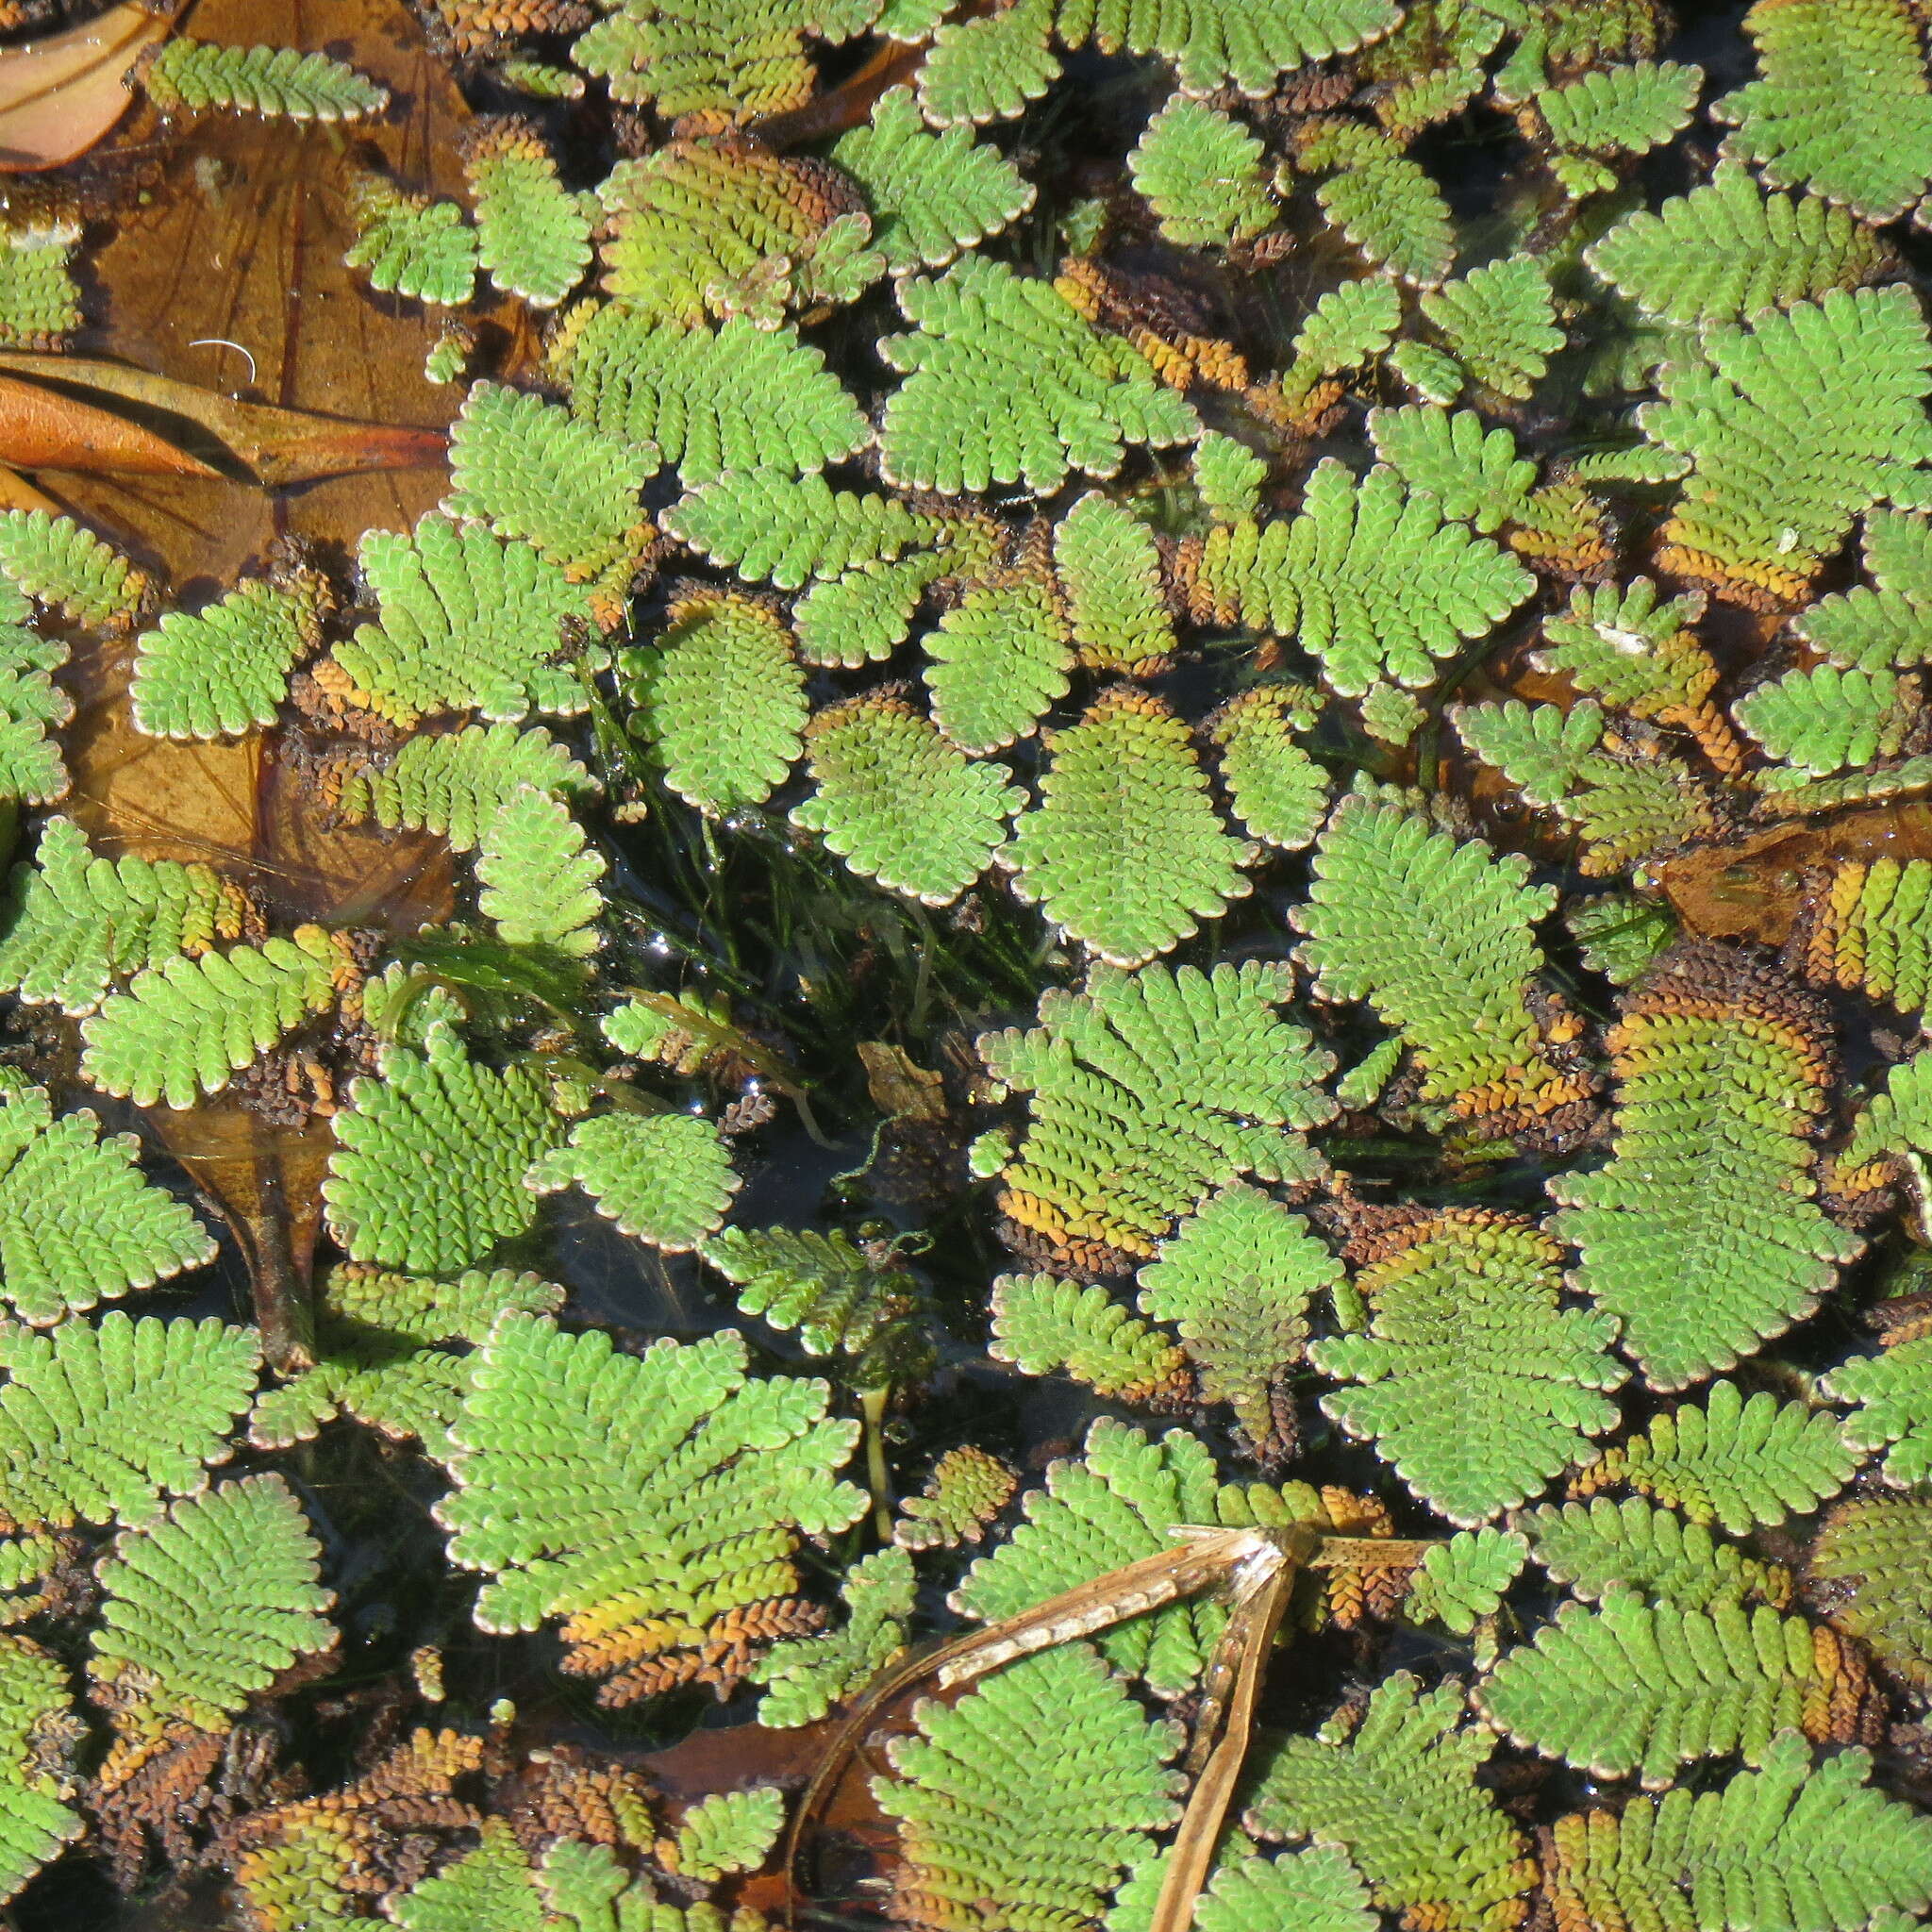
<point x="964" y="966"/>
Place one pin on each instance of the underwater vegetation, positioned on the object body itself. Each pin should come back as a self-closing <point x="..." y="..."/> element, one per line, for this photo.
<point x="934" y="809"/>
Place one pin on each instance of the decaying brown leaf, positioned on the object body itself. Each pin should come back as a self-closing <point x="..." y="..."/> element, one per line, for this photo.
<point x="59" y="95"/>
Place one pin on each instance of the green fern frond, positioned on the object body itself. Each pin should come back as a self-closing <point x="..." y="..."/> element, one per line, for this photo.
<point x="1200" y="171"/>
<point x="962" y="1493"/>
<point x="453" y="783"/>
<point x="1433" y="373"/>
<point x="226" y="671"/>
<point x="1383" y="202"/>
<point x="1149" y="1091"/>
<point x="182" y="1029"/>
<point x="720" y="701"/>
<point x="1348" y="328"/>
<point x="654" y="1502"/>
<point x="1437" y="937"/>
<point x="840" y="1300"/>
<point x="1006" y="379"/>
<point x="1236" y="1279"/>
<point x="1111" y="1507"/>
<point x="865" y="615"/>
<point x="386" y="1352"/>
<point x="1805" y="1843"/>
<point x="664" y="1178"/>
<point x="931" y="195"/>
<point x="276" y="82"/>
<point x="1315" y="1890"/>
<point x="1476" y="473"/>
<point x="710" y="401"/>
<point x="1726" y="250"/>
<point x="70" y="570"/>
<point x="31" y="704"/>
<point x="1794" y="423"/>
<point x="1028" y="1801"/>
<point x="988" y="68"/>
<point x="1882" y="1550"/>
<point x="1461" y="1581"/>
<point x="705" y="228"/>
<point x="1890" y="625"/>
<point x="682" y="1032"/>
<point x="1278" y="793"/>
<point x="34" y="1824"/>
<point x="99" y="1421"/>
<point x="899" y="802"/>
<point x="467" y="621"/>
<point x="711" y="58"/>
<point x="1735" y="1462"/>
<point x="1228" y="476"/>
<point x="1125" y="851"/>
<point x="1619" y="934"/>
<point x="407" y="243"/>
<point x="1891" y="1398"/>
<point x="1627" y="110"/>
<point x="1500" y="323"/>
<point x="1700" y="1235"/>
<point x="78" y="1224"/>
<point x="533" y="234"/>
<point x="1591" y="1551"/>
<point x="1841" y="103"/>
<point x="538" y="880"/>
<point x="39" y="300"/>
<point x="530" y="76"/>
<point x="492" y="1885"/>
<point x="1044" y="1325"/>
<point x="1543" y="750"/>
<point x="1369" y="577"/>
<point x="770" y="526"/>
<point x="1823" y="721"/>
<point x="1475" y="1384"/>
<point x="726" y="1832"/>
<point x="999" y="659"/>
<point x="531" y="469"/>
<point x="429" y="1168"/>
<point x="1794" y="794"/>
<point x="804" y="1676"/>
<point x="1629" y="809"/>
<point x="73" y="923"/>
<point x="1395" y="1786"/>
<point x="1635" y="1687"/>
<point x="206" y="1607"/>
<point x="1109" y="572"/>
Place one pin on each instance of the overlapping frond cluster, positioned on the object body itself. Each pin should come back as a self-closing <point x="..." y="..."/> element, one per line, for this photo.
<point x="1701" y="1235"/>
<point x="1874" y="1554"/>
<point x="455" y="783"/>
<point x="1472" y="1380"/>
<point x="1394" y="1785"/>
<point x="1146" y="1092"/>
<point x="962" y="1493"/>
<point x="1591" y="1550"/>
<point x="34" y="1775"/>
<point x="1437" y="937"/>
<point x="65" y="568"/>
<point x="418" y="248"/>
<point x="652" y="1503"/>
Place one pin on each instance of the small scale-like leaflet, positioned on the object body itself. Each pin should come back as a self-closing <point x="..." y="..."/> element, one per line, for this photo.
<point x="1254" y="1568"/>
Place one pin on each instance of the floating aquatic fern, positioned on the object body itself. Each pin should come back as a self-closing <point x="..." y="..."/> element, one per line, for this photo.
<point x="765" y="525"/>
<point x="1278" y="793"/>
<point x="1871" y="1562"/>
<point x="1738" y="1460"/>
<point x="1044" y="1325"/>
<point x="1381" y="199"/>
<point x="1700" y="1235"/>
<point x="898" y="801"/>
<point x="734" y="398"/>
<point x="538" y="880"/>
<point x="1473" y="1382"/>
<point x="665" y="1178"/>
<point x="1891" y="1398"/>
<point x="455" y="782"/>
<point x="1499" y="322"/>
<point x="78" y="1223"/>
<point x="654" y="1503"/>
<point x="39" y="300"/>
<point x="1007" y="381"/>
<point x="1200" y="171"/>
<point x="1394" y="1785"/>
<point x="1124" y="851"/>
<point x="1890" y="624"/>
<point x="1593" y="1550"/>
<point x="405" y="243"/>
<point x="533" y="236"/>
<point x="225" y="671"/>
<point x="276" y="82"/>
<point x="997" y="660"/>
<point x="1826" y="720"/>
<point x="429" y="1171"/>
<point x="1149" y="1091"/>
<point x="466" y="620"/>
<point x="721" y="700"/>
<point x="34" y="1822"/>
<point x="183" y="1029"/>
<point x="66" y="568"/>
<point x="1108" y="566"/>
<point x="1841" y="103"/>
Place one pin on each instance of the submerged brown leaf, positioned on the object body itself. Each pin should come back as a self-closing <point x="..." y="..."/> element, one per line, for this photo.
<point x="59" y="95"/>
<point x="65" y="412"/>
